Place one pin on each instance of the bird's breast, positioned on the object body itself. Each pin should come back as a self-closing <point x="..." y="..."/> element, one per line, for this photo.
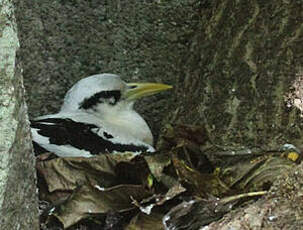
<point x="129" y="125"/>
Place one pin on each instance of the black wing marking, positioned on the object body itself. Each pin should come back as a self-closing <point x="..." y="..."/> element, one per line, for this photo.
<point x="80" y="135"/>
<point x="39" y="149"/>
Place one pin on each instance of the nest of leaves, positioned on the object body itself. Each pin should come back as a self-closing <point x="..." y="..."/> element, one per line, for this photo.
<point x="187" y="184"/>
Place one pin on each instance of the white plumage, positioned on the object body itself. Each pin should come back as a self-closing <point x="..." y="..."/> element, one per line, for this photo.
<point x="97" y="116"/>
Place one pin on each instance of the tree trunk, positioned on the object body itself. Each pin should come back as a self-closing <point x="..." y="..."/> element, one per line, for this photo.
<point x="243" y="58"/>
<point x="18" y="192"/>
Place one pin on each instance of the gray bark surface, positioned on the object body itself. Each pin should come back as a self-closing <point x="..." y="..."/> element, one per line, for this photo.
<point x="241" y="63"/>
<point x="18" y="192"/>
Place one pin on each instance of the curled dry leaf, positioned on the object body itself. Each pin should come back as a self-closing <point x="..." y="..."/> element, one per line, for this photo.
<point x="91" y="199"/>
<point x="254" y="174"/>
<point x="146" y="222"/>
<point x="82" y="187"/>
<point x="194" y="214"/>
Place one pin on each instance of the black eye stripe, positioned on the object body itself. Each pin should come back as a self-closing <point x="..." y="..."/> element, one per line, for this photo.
<point x="107" y="135"/>
<point x="90" y="102"/>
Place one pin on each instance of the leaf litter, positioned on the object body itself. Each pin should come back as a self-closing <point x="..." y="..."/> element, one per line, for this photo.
<point x="179" y="187"/>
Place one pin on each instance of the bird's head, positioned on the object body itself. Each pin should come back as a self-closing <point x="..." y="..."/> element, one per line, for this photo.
<point x="105" y="93"/>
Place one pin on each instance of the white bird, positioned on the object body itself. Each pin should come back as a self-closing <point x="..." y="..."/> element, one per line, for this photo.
<point x="97" y="116"/>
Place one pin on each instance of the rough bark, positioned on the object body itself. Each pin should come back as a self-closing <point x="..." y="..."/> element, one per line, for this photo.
<point x="242" y="61"/>
<point x="18" y="196"/>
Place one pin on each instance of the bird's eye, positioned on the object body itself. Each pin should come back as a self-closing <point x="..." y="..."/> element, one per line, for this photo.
<point x="112" y="100"/>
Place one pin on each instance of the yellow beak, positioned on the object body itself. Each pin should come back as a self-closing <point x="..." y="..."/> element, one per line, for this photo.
<point x="138" y="90"/>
